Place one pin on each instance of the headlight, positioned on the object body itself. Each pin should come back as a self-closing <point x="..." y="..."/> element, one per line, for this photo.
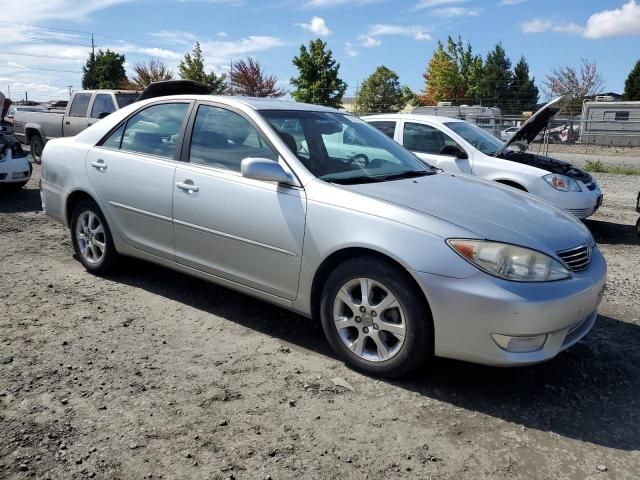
<point x="510" y="262"/>
<point x="562" y="183"/>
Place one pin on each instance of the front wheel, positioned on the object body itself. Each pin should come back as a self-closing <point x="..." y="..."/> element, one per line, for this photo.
<point x="91" y="238"/>
<point x="37" y="146"/>
<point x="375" y="318"/>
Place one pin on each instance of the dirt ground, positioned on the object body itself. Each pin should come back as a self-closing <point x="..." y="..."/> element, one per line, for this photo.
<point x="152" y="374"/>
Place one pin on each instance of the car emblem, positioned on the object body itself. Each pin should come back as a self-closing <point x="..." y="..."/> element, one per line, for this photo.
<point x="367" y="320"/>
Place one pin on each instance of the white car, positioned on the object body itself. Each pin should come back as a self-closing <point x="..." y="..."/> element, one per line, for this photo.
<point x="506" y="134"/>
<point x="15" y="168"/>
<point x="460" y="147"/>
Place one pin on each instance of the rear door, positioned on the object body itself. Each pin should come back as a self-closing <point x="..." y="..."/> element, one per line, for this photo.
<point x="427" y="142"/>
<point x="77" y="118"/>
<point x="132" y="173"/>
<point x="388" y="127"/>
<point x="247" y="231"/>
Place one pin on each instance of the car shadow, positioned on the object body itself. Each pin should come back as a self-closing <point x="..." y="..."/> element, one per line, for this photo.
<point x="612" y="233"/>
<point x="20" y="201"/>
<point x="590" y="392"/>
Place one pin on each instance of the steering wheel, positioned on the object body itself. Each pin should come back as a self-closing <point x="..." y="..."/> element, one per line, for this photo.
<point x="359" y="156"/>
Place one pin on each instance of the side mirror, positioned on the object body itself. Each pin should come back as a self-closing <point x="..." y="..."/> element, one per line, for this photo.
<point x="454" y="151"/>
<point x="265" y="170"/>
<point x="101" y="115"/>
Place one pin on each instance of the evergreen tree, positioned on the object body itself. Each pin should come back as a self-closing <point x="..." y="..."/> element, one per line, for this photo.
<point x="317" y="81"/>
<point x="523" y="92"/>
<point x="192" y="68"/>
<point x="89" y="74"/>
<point x="496" y="79"/>
<point x="632" y="84"/>
<point x="381" y="92"/>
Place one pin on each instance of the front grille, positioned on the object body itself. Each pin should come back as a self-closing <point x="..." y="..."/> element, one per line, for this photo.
<point x="578" y="258"/>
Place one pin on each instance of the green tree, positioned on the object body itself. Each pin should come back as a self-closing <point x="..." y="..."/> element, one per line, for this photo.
<point x="496" y="79"/>
<point x="192" y="68"/>
<point x="317" y="81"/>
<point x="452" y="74"/>
<point x="409" y="97"/>
<point x="89" y="74"/>
<point x="380" y="92"/>
<point x="104" y="70"/>
<point x="632" y="84"/>
<point x="523" y="93"/>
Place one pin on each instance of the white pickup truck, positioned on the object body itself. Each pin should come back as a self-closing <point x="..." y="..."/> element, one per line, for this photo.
<point x="84" y="109"/>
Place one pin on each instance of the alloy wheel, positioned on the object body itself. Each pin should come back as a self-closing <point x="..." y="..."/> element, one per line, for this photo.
<point x="91" y="237"/>
<point x="369" y="319"/>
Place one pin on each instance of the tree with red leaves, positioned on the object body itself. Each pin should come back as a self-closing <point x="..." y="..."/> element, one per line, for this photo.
<point x="247" y="78"/>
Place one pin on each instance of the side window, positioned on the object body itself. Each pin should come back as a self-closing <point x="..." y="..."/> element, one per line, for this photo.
<point x="154" y="130"/>
<point x="79" y="105"/>
<point x="115" y="139"/>
<point x="425" y="138"/>
<point x="102" y="104"/>
<point x="222" y="139"/>
<point x="388" y="128"/>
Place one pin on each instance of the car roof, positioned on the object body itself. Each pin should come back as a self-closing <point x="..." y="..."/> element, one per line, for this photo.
<point x="252" y="102"/>
<point x="413" y="117"/>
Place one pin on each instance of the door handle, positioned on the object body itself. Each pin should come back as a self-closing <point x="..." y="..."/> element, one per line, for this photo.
<point x="67" y="122"/>
<point x="99" y="164"/>
<point x="188" y="186"/>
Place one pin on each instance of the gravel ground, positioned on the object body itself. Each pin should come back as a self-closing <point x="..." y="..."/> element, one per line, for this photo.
<point x="152" y="374"/>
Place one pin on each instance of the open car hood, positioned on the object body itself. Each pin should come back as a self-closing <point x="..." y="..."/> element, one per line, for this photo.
<point x="174" y="87"/>
<point x="538" y="121"/>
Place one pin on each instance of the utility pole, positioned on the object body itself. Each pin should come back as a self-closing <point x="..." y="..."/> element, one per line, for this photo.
<point x="70" y="87"/>
<point x="9" y="92"/>
<point x="26" y="96"/>
<point x="93" y="47"/>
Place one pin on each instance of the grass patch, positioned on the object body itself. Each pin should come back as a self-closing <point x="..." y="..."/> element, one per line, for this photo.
<point x="600" y="167"/>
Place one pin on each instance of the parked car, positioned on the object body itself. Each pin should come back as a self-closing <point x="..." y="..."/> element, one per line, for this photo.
<point x="508" y="133"/>
<point x="460" y="147"/>
<point x="84" y="109"/>
<point x="399" y="262"/>
<point x="15" y="168"/>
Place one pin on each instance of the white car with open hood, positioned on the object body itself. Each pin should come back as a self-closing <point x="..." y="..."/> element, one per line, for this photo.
<point x="460" y="147"/>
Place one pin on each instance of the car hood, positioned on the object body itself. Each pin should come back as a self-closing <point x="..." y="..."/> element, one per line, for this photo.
<point x="546" y="163"/>
<point x="488" y="210"/>
<point x="532" y="127"/>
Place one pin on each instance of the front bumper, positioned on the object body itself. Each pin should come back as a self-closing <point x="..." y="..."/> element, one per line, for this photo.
<point x="13" y="170"/>
<point x="580" y="204"/>
<point x="466" y="312"/>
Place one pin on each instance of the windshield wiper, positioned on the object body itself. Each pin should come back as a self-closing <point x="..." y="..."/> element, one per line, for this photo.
<point x="354" y="180"/>
<point x="407" y="174"/>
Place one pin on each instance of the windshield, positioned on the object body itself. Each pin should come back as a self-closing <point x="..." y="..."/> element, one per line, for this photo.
<point x="341" y="148"/>
<point x="476" y="136"/>
<point x="125" y="99"/>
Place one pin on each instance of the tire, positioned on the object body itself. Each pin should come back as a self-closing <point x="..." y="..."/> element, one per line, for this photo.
<point x="638" y="227"/>
<point x="382" y="341"/>
<point x="37" y="145"/>
<point x="14" y="187"/>
<point x="93" y="245"/>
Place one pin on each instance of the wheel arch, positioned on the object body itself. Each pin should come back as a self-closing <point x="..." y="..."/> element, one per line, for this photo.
<point x="30" y="131"/>
<point x="337" y="257"/>
<point x="73" y="199"/>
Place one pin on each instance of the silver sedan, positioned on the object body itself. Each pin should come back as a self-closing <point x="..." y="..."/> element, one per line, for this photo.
<point x="314" y="210"/>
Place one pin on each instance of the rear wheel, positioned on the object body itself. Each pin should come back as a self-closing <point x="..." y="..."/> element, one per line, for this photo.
<point x="375" y="319"/>
<point x="91" y="238"/>
<point x="37" y="146"/>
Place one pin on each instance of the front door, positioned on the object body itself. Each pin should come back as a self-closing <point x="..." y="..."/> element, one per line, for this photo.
<point x="132" y="172"/>
<point x="246" y="231"/>
<point x="427" y="142"/>
<point x="77" y="119"/>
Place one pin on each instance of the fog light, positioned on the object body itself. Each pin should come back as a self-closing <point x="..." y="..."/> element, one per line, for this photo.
<point x="519" y="344"/>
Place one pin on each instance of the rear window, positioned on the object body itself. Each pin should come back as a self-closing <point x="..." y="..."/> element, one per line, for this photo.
<point x="125" y="99"/>
<point x="388" y="128"/>
<point x="79" y="105"/>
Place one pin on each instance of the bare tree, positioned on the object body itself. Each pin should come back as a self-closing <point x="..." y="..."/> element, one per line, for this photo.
<point x="247" y="78"/>
<point x="145" y="73"/>
<point x="582" y="83"/>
